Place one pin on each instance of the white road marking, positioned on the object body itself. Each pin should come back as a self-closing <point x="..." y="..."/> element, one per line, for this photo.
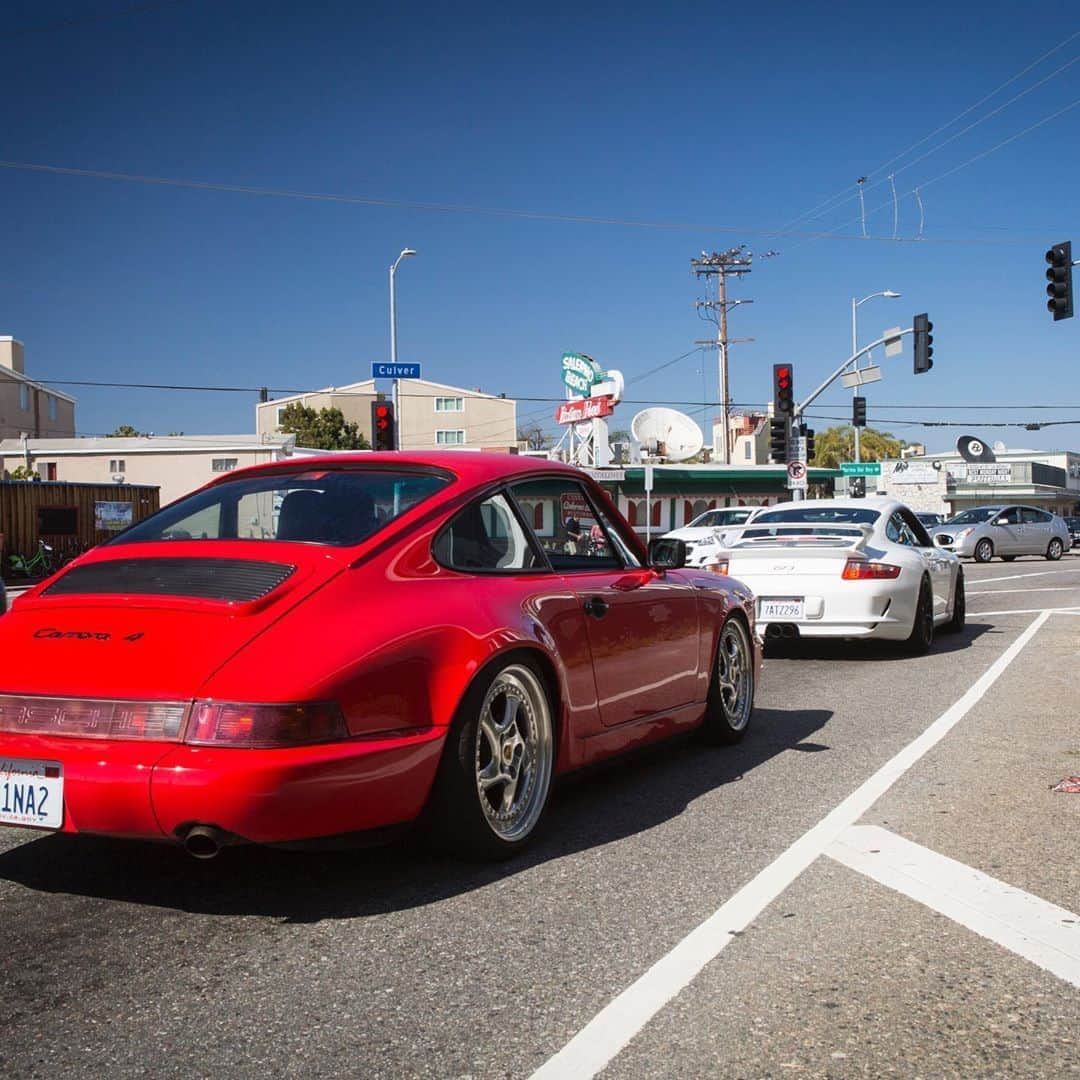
<point x="1043" y="933"/>
<point x="603" y="1037"/>
<point x="1026" y="611"/>
<point x="1036" y="573"/>
<point x="995" y="592"/>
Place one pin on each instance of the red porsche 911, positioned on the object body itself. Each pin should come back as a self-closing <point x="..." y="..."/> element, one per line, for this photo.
<point x="328" y="646"/>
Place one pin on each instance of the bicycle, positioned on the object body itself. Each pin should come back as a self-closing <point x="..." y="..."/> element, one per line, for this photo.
<point x="39" y="565"/>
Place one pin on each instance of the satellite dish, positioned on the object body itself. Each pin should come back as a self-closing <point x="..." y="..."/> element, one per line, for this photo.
<point x="675" y="436"/>
<point x="1000" y="447"/>
<point x="972" y="449"/>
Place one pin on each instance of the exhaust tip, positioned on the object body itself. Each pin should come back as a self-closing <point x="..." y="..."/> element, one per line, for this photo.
<point x="204" y="841"/>
<point x="775" y="631"/>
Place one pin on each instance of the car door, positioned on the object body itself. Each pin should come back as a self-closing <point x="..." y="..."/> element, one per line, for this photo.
<point x="1007" y="532"/>
<point x="642" y="626"/>
<point x="940" y="565"/>
<point x="1036" y="528"/>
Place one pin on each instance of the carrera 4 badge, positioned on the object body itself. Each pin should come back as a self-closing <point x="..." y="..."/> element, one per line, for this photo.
<point x="52" y="633"/>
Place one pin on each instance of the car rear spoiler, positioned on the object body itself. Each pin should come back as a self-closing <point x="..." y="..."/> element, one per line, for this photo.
<point x="798" y="534"/>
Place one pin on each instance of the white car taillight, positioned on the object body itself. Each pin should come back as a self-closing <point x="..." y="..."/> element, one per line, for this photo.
<point x="216" y="723"/>
<point x="88" y="718"/>
<point x="864" y="570"/>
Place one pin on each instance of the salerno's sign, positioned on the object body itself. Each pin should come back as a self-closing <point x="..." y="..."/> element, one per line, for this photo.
<point x="573" y="412"/>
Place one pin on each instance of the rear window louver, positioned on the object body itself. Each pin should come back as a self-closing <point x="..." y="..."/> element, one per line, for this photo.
<point x="205" y="579"/>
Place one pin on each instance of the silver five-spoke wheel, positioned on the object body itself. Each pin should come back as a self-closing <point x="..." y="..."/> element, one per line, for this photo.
<point x="731" y="693"/>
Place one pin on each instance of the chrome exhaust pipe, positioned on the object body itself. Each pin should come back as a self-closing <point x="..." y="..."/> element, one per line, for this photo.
<point x="205" y="841"/>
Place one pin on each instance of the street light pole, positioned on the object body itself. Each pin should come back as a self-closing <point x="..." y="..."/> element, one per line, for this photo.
<point x="888" y="294"/>
<point x="393" y="347"/>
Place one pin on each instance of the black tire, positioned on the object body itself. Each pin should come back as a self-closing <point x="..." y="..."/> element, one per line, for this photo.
<point x="1055" y="550"/>
<point x="984" y="550"/>
<point x="922" y="630"/>
<point x="730" y="701"/>
<point x="501" y="746"/>
<point x="959" y="611"/>
<point x="1007" y="558"/>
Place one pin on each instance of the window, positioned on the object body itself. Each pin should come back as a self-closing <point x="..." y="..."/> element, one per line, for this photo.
<point x="1031" y="516"/>
<point x="52" y="407"/>
<point x="50" y="469"/>
<point x="324" y="506"/>
<point x="279" y="413"/>
<point x="224" y="464"/>
<point x="1009" y="516"/>
<point x="579" y="536"/>
<point x="116" y="465"/>
<point x="449" y="437"/>
<point x="24" y="397"/>
<point x="449" y="404"/>
<point x="487" y="536"/>
<point x="748" y="449"/>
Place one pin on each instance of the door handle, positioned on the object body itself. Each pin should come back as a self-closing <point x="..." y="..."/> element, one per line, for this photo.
<point x="596" y="607"/>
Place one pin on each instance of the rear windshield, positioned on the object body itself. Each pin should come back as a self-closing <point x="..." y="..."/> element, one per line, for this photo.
<point x="320" y="506"/>
<point x="712" y="518"/>
<point x="820" y="515"/>
<point x="974" y="517"/>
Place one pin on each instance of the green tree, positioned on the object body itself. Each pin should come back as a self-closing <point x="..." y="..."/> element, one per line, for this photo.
<point x="124" y="431"/>
<point x="837" y="444"/>
<point x="535" y="438"/>
<point x="23" y="473"/>
<point x="325" y="429"/>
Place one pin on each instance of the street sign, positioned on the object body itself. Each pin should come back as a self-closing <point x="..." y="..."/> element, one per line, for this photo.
<point x="796" y="474"/>
<point x="797" y="448"/>
<point x="871" y="373"/>
<point x="893" y="345"/>
<point x="395" y="371"/>
<point x="860" y="468"/>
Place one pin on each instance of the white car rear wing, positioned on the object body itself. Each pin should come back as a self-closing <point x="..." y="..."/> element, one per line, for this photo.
<point x="804" y="536"/>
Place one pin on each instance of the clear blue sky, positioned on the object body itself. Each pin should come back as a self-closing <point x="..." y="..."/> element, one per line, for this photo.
<point x="720" y="126"/>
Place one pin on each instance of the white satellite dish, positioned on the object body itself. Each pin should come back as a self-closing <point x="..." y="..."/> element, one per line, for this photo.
<point x="675" y="436"/>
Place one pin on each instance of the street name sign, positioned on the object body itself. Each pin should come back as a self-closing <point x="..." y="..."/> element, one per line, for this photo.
<point x="869" y="374"/>
<point x="395" y="371"/>
<point x="860" y="468"/>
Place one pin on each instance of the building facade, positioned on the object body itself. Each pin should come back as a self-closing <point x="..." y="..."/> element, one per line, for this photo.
<point x="176" y="464"/>
<point x="430" y="416"/>
<point x="27" y="407"/>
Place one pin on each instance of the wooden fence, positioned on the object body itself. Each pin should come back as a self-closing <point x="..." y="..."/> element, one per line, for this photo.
<point x="70" y="518"/>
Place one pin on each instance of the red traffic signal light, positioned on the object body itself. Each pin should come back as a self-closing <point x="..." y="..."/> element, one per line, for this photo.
<point x="783" y="389"/>
<point x="382" y="425"/>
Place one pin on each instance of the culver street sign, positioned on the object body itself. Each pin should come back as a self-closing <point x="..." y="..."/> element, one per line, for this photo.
<point x="395" y="371"/>
<point x="860" y="468"/>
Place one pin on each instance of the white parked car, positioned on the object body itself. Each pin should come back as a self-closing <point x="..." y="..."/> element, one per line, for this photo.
<point x="849" y="568"/>
<point x="705" y="534"/>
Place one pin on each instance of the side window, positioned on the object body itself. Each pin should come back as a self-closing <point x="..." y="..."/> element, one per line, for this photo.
<point x="486" y="536"/>
<point x="894" y="529"/>
<point x="1011" y="515"/>
<point x="575" y="535"/>
<point x="917" y="534"/>
<point x="1030" y="516"/>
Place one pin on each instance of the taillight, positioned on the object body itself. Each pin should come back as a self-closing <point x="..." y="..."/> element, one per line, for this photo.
<point x="717" y="566"/>
<point x="88" y="718"/>
<point x="862" y="570"/>
<point x="215" y="723"/>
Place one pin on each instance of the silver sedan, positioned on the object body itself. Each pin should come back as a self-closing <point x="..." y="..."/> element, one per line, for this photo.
<point x="1007" y="531"/>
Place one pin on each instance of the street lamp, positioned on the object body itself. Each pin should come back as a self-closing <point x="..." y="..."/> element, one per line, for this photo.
<point x="406" y="253"/>
<point x="855" y="305"/>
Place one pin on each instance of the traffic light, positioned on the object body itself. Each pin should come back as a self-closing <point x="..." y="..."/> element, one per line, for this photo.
<point x="778" y="440"/>
<point x="1059" y="276"/>
<point x="924" y="343"/>
<point x="382" y="425"/>
<point x="783" y="377"/>
<point x="858" y="411"/>
<point x="808" y="435"/>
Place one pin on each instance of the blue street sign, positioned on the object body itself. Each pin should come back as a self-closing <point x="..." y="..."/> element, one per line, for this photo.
<point x="395" y="371"/>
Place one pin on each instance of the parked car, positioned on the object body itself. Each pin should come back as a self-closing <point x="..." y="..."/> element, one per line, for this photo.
<point x="850" y="568"/>
<point x="1004" y="530"/>
<point x="1074" y="529"/>
<point x="320" y="647"/>
<point x="930" y="520"/>
<point x="705" y="533"/>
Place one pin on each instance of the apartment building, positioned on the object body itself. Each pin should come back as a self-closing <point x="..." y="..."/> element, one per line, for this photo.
<point x="27" y="407"/>
<point x="430" y="416"/>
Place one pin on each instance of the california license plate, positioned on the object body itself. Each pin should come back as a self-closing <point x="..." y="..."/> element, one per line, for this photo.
<point x="31" y="792"/>
<point x="780" y="607"/>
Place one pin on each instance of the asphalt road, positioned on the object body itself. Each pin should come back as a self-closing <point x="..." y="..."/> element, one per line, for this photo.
<point x="878" y="882"/>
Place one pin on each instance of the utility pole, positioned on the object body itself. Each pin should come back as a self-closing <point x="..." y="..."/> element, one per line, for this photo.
<point x="735" y="261"/>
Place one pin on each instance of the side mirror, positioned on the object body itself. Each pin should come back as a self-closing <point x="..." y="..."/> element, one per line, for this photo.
<point x="667" y="553"/>
<point x="999" y="521"/>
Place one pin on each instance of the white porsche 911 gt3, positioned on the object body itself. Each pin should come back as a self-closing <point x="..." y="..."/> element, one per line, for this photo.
<point x="849" y="568"/>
